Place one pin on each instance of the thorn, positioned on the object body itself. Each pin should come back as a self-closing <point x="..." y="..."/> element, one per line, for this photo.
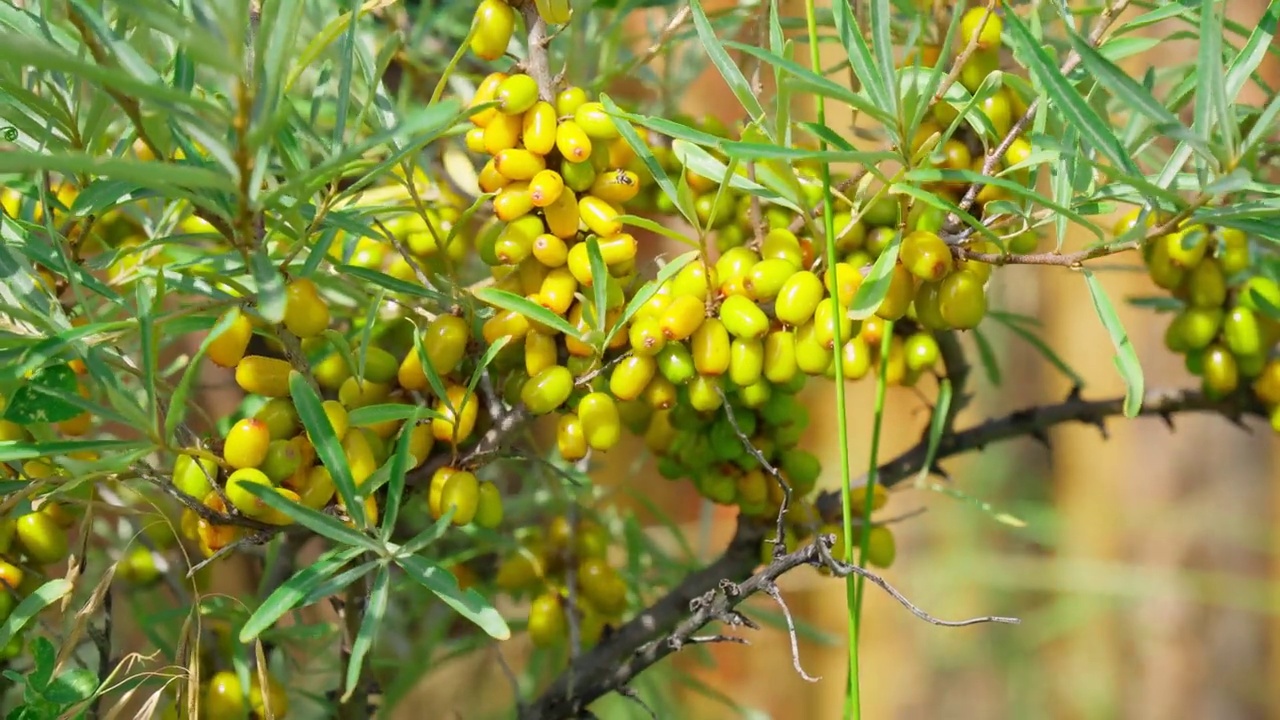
<point x="1167" y="417"/>
<point x="1042" y="437"/>
<point x="937" y="470"/>
<point x="1074" y="394"/>
<point x="730" y="588"/>
<point x="1101" y="424"/>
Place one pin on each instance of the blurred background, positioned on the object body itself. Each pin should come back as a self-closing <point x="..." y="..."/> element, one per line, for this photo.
<point x="1147" y="574"/>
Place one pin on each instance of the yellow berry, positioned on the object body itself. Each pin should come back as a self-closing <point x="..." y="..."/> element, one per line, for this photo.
<point x="263" y="375"/>
<point x="229" y="347"/>
<point x="306" y="313"/>
<point x="246" y="443"/>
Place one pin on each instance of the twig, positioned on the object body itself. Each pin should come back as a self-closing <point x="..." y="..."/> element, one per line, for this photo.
<point x="660" y="43"/>
<point x="772" y="591"/>
<point x="780" y="539"/>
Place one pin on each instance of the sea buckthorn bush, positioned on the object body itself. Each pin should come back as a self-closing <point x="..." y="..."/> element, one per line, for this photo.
<point x="385" y="280"/>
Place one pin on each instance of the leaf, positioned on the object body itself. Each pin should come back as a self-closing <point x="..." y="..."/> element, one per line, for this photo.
<point x="433" y="532"/>
<point x="937" y="426"/>
<point x="1253" y="52"/>
<point x="386" y="412"/>
<point x="25" y="450"/>
<point x="860" y="60"/>
<point x="291" y="592"/>
<point x="649" y="289"/>
<point x="374" y="611"/>
<point x="645" y="223"/>
<point x="43" y="596"/>
<point x="318" y="522"/>
<point x="270" y="282"/>
<point x="930" y="175"/>
<point x="876" y="285"/>
<point x="806" y="79"/>
<point x="1126" y="357"/>
<point x="641" y="149"/>
<point x="732" y="75"/>
<point x="1125" y="89"/>
<point x="328" y="449"/>
<point x="703" y="163"/>
<point x="178" y="401"/>
<point x="1075" y="110"/>
<point x="1211" y="107"/>
<point x="34" y="402"/>
<point x="987" y="508"/>
<point x="73" y="686"/>
<point x="392" y="284"/>
<point x="399" y="467"/>
<point x="882" y="47"/>
<point x="987" y="355"/>
<point x="1040" y="345"/>
<point x="470" y="604"/>
<point x="599" y="285"/>
<point x="506" y="300"/>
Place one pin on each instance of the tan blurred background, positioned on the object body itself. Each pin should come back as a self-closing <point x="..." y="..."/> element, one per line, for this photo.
<point x="1147" y="577"/>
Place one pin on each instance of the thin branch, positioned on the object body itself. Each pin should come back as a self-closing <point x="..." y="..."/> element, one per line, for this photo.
<point x="840" y="188"/>
<point x="662" y="42"/>
<point x="772" y="591"/>
<point x="536" y="64"/>
<point x="780" y="538"/>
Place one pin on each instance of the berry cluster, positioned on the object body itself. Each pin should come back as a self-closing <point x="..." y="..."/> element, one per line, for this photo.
<point x="540" y="567"/>
<point x="1226" y="326"/>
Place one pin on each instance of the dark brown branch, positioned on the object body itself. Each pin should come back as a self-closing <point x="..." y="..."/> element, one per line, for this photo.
<point x="708" y="595"/>
<point x="1036" y="421"/>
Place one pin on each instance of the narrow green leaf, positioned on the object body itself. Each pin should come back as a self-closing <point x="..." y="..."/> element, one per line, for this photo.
<point x="399" y="468"/>
<point x="599" y="284"/>
<point x="395" y="285"/>
<point x="429" y="369"/>
<point x="433" y="533"/>
<point x="645" y="223"/>
<point x="805" y="79"/>
<point x="930" y="175"/>
<point x="470" y="604"/>
<point x="485" y="361"/>
<point x="1211" y="107"/>
<point x="518" y="304"/>
<point x="860" y="60"/>
<point x="985" y="507"/>
<point x="1263" y="127"/>
<point x="347" y="63"/>
<point x="148" y="345"/>
<point x="882" y="47"/>
<point x="1040" y="345"/>
<point x="732" y="75"/>
<point x="987" y="355"/>
<point x="1254" y="51"/>
<point x="167" y="179"/>
<point x="339" y="582"/>
<point x="374" y="611"/>
<point x="315" y="521"/>
<point x="703" y="163"/>
<point x="270" y="286"/>
<point x="876" y="285"/>
<point x="328" y="449"/>
<point x="386" y="412"/>
<point x="291" y="592"/>
<point x="1126" y="357"/>
<point x="178" y="401"/>
<point x="11" y="450"/>
<point x="1075" y="110"/>
<point x="31" y="605"/>
<point x="641" y="149"/>
<point x="1125" y="89"/>
<point x="649" y="289"/>
<point x="937" y="426"/>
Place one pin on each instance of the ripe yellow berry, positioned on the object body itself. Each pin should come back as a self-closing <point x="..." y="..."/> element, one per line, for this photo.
<point x="569" y="100"/>
<point x="547" y="390"/>
<point x="595" y="121"/>
<point x="547" y="623"/>
<point x="682" y="317"/>
<point x="244" y="501"/>
<point x="631" y="376"/>
<point x="601" y="423"/>
<point x="484" y="94"/>
<point x="246" y="443"/>
<point x="516" y="94"/>
<point x="599" y="216"/>
<point x="263" y="375"/>
<point x="229" y="347"/>
<point x="501" y="133"/>
<point x="616" y="186"/>
<point x="562" y="215"/>
<point x="743" y="318"/>
<point x="572" y="142"/>
<point x="461" y="492"/>
<point x="545" y="188"/>
<point x="306" y="313"/>
<point x="539" y="131"/>
<point x="495" y="22"/>
<point x="925" y="255"/>
<point x="983" y="24"/>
